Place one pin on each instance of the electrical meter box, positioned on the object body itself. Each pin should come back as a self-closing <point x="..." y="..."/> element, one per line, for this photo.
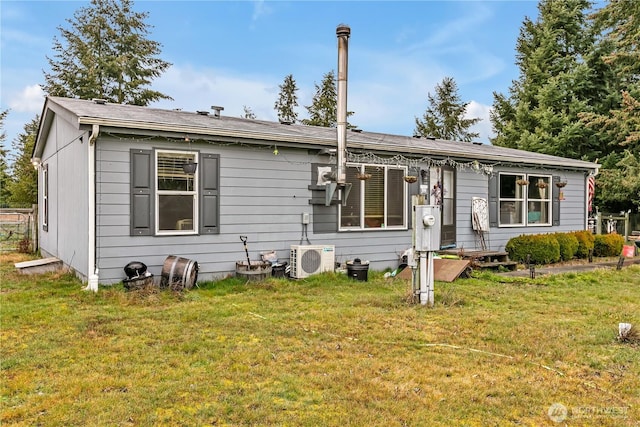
<point x="427" y="228"/>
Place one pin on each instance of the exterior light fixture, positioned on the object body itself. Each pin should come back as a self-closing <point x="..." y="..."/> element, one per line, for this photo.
<point x="35" y="161"/>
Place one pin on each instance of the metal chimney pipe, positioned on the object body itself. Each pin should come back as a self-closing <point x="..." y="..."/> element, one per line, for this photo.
<point x="343" y="32"/>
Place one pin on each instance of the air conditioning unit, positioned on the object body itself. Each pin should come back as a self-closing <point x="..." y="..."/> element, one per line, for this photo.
<point x="311" y="259"/>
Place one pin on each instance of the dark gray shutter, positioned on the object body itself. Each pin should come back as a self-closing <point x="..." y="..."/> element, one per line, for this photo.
<point x="555" y="203"/>
<point x="209" y="193"/>
<point x="493" y="200"/>
<point x="141" y="192"/>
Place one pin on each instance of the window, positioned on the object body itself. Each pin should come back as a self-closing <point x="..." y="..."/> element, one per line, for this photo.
<point x="378" y="202"/>
<point x="524" y="199"/>
<point x="165" y="200"/>
<point x="176" y="193"/>
<point x="45" y="197"/>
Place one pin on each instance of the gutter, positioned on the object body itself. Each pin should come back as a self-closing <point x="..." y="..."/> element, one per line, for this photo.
<point x="92" y="269"/>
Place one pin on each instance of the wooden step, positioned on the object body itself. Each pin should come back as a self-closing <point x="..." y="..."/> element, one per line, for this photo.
<point x="38" y="266"/>
<point x="509" y="265"/>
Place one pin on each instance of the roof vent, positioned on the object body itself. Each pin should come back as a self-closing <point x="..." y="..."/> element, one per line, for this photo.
<point x="356" y="130"/>
<point x="415" y="135"/>
<point x="216" y="111"/>
<point x="477" y="143"/>
<point x="433" y="138"/>
<point x="203" y="113"/>
<point x="285" y="122"/>
<point x="99" y="101"/>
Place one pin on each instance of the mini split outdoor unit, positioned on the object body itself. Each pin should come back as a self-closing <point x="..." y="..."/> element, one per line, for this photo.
<point x="311" y="259"/>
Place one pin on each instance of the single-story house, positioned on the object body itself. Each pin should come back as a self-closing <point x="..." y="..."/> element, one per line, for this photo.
<point x="114" y="187"/>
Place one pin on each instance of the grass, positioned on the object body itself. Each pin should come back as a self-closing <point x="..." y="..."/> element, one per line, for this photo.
<point x="322" y="351"/>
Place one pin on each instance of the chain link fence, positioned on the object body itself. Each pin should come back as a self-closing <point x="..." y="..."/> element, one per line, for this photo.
<point x="18" y="229"/>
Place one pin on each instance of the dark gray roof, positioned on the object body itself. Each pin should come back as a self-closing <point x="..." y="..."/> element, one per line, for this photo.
<point x="149" y="120"/>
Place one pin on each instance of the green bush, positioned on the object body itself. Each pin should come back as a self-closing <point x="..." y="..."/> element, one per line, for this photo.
<point x="568" y="245"/>
<point x="543" y="248"/>
<point x="608" y="244"/>
<point x="585" y="243"/>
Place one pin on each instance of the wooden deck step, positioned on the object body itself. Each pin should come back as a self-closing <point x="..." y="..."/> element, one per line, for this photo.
<point x="39" y="266"/>
<point x="484" y="259"/>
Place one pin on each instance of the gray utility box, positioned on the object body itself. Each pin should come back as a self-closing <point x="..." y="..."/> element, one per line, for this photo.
<point x="427" y="228"/>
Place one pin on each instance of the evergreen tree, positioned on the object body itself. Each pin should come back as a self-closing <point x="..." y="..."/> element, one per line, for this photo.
<point x="556" y="83"/>
<point x="444" y="118"/>
<point x="106" y="54"/>
<point x="324" y="105"/>
<point x="287" y="100"/>
<point x="5" y="178"/>
<point x="618" y="125"/>
<point x="23" y="188"/>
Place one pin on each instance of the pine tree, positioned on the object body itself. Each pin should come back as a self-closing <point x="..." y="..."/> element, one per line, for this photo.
<point x="618" y="125"/>
<point x="5" y="178"/>
<point x="556" y="83"/>
<point x="323" y="108"/>
<point x="106" y="54"/>
<point x="23" y="188"/>
<point x="287" y="101"/>
<point x="444" y="118"/>
<point x="324" y="105"/>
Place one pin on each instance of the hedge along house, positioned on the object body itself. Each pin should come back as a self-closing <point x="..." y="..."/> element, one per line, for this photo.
<point x="114" y="187"/>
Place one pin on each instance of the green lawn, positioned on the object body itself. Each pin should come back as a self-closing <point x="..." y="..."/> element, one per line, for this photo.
<point x="323" y="351"/>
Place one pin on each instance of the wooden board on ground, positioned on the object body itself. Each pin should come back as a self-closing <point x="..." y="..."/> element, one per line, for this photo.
<point x="444" y="270"/>
<point x="448" y="270"/>
<point x="39" y="266"/>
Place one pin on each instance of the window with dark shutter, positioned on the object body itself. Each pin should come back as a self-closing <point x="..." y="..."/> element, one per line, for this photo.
<point x="209" y="193"/>
<point x="141" y="192"/>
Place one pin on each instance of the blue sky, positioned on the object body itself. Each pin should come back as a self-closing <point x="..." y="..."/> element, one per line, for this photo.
<point x="236" y="53"/>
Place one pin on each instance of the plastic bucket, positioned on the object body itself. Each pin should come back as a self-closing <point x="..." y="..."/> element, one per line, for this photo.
<point x="278" y="270"/>
<point x="179" y="273"/>
<point x="358" y="270"/>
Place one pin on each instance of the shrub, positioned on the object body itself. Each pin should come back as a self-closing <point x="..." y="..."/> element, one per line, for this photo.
<point x="24" y="246"/>
<point x="543" y="248"/>
<point x="568" y="245"/>
<point x="585" y="243"/>
<point x="607" y="244"/>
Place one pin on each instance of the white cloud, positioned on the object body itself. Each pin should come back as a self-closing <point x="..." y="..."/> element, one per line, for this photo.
<point x="475" y="109"/>
<point x="29" y="100"/>
<point x="260" y="9"/>
<point x="199" y="89"/>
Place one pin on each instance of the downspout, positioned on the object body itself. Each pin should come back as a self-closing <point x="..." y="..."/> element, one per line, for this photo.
<point x="91" y="159"/>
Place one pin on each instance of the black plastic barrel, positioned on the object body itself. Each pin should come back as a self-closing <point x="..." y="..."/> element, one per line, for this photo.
<point x="179" y="273"/>
<point x="278" y="270"/>
<point x="358" y="270"/>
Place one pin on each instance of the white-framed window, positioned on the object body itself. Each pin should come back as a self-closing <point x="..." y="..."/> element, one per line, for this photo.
<point x="176" y="195"/>
<point x="524" y="200"/>
<point x="377" y="202"/>
<point x="45" y="197"/>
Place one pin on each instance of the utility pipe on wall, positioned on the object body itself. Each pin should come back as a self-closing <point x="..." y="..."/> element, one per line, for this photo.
<point x="343" y="32"/>
<point x="92" y="269"/>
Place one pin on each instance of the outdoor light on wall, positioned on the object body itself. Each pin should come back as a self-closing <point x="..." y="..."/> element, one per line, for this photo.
<point x="35" y="162"/>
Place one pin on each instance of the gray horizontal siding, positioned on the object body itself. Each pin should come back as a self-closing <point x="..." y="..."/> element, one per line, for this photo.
<point x="262" y="196"/>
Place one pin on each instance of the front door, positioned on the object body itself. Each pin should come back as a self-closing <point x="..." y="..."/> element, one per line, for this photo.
<point x="442" y="192"/>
